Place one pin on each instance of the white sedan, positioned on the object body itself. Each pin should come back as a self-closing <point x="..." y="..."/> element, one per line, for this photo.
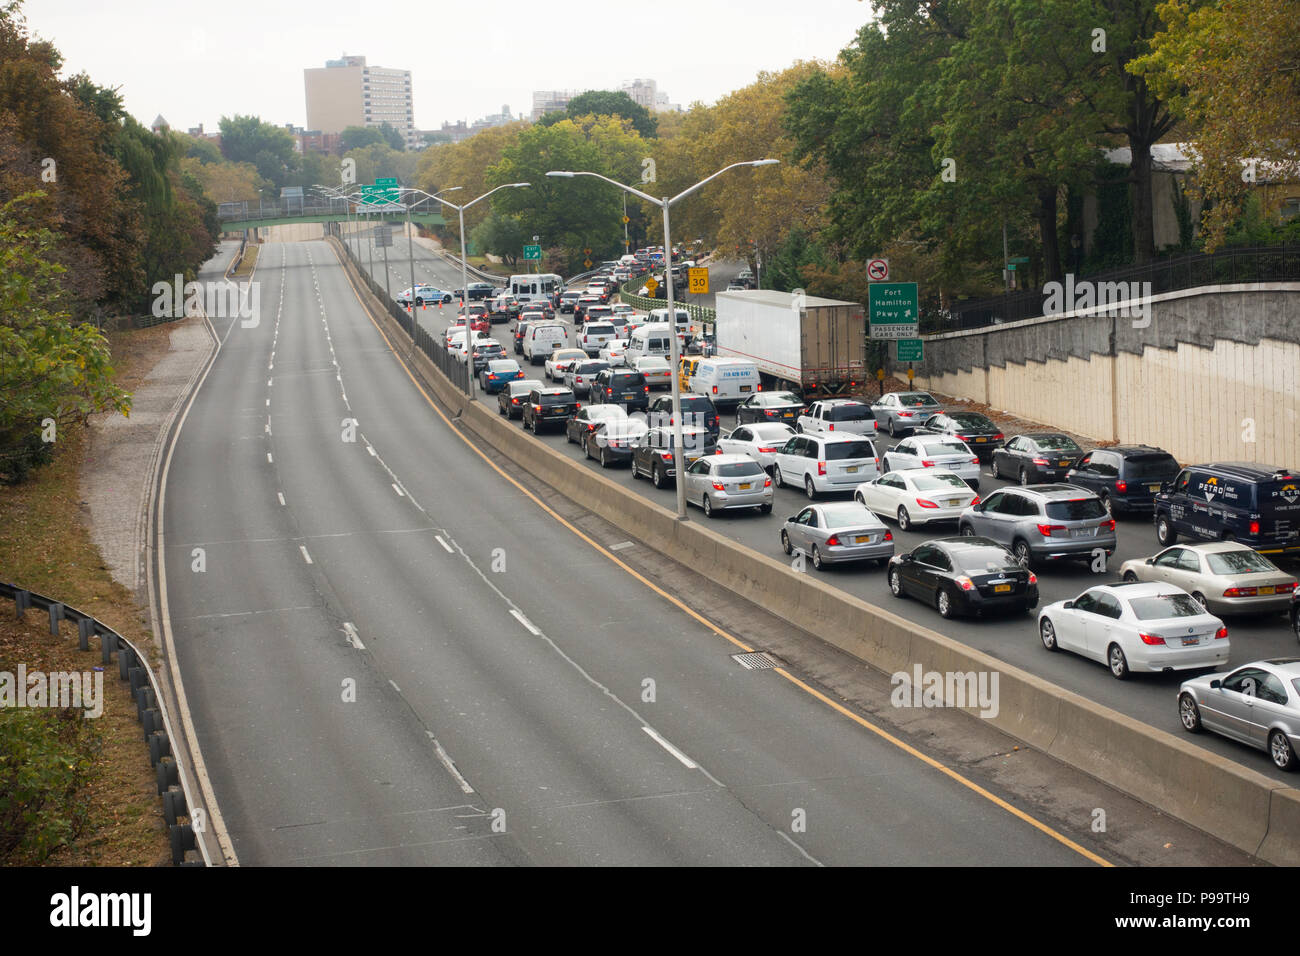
<point x="935" y="451"/>
<point x="760" y="441"/>
<point x="615" y="353"/>
<point x="1136" y="627"/>
<point x="917" y="496"/>
<point x="558" y="362"/>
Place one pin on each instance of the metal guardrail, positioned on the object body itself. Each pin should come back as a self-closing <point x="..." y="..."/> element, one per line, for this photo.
<point x="173" y="782"/>
<point x="1230" y="266"/>
<point x="698" y="313"/>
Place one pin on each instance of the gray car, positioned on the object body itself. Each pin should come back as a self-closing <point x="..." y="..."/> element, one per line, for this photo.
<point x="900" y="412"/>
<point x="719" y="482"/>
<point x="1044" y="523"/>
<point x="1257" y="704"/>
<point x="613" y="441"/>
<point x="1226" y="577"/>
<point x="837" y="531"/>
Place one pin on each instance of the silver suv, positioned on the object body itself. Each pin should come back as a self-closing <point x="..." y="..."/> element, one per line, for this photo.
<point x="1044" y="523"/>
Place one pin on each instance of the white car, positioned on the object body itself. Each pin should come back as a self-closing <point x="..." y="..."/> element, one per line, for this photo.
<point x="456" y="341"/>
<point x="558" y="362"/>
<point x="917" y="496"/>
<point x="657" y="372"/>
<point x="760" y="441"/>
<point x="423" y="294"/>
<point x="935" y="451"/>
<point x="838" y="414"/>
<point x="1136" y="627"/>
<point x="825" y="463"/>
<point x="615" y="353"/>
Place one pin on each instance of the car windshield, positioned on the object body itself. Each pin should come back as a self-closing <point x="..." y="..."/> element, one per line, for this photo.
<point x="1239" y="562"/>
<point x="739" y="469"/>
<point x="1076" y="509"/>
<point x="913" y="399"/>
<point x="1163" y="467"/>
<point x="1057" y="443"/>
<point x="692" y="439"/>
<point x="564" y="399"/>
<point x="939" y="483"/>
<point x="697" y="405"/>
<point x="772" y="432"/>
<point x="848" y="413"/>
<point x="984" y="560"/>
<point x="972" y="421"/>
<point x="781" y="398"/>
<point x="847" y="514"/>
<point x="945" y="448"/>
<point x="1163" y="606"/>
<point x="841" y="450"/>
<point x="626" y="380"/>
<point x="606" y="411"/>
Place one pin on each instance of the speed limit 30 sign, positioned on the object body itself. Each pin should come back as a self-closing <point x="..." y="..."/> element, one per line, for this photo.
<point x="878" y="270"/>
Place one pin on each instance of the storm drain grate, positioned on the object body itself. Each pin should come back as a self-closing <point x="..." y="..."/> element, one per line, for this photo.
<point x="756" y="662"/>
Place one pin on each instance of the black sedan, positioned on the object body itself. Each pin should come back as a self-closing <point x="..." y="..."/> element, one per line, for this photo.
<point x="510" y="400"/>
<point x="966" y="575"/>
<point x="769" y="407"/>
<point x="1036" y="459"/>
<point x="976" y="430"/>
<point x="613" y="441"/>
<point x="589" y="418"/>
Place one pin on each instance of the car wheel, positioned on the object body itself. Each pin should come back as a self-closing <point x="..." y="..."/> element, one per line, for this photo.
<point x="1117" y="661"/>
<point x="809" y="489"/>
<point x="997" y="472"/>
<point x="798" y="428"/>
<point x="1189" y="713"/>
<point x="636" y="472"/>
<point x="817" y="558"/>
<point x="604" y="458"/>
<point x="785" y="543"/>
<point x="657" y="477"/>
<point x="1295" y="625"/>
<point x="1024" y="477"/>
<point x="1130" y="577"/>
<point x="1199" y="598"/>
<point x="1047" y="633"/>
<point x="895" y="583"/>
<point x="893" y="429"/>
<point x="501" y="410"/>
<point x="1021" y="550"/>
<point x="943" y="601"/>
<point x="1279" y="748"/>
<point x="1110" y="508"/>
<point x="568" y="439"/>
<point x="904" y="519"/>
<point x="707" y="504"/>
<point x="765" y="509"/>
<point x="1165" y="533"/>
<point x="966" y="531"/>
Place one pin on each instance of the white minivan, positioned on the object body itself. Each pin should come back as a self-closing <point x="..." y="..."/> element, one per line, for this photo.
<point x="683" y="320"/>
<point x="542" y="340"/>
<point x="728" y="381"/>
<point x="649" y="340"/>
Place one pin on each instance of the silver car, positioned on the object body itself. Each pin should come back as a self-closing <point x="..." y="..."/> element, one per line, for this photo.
<point x="1226" y="577"/>
<point x="719" y="482"/>
<point x="1257" y="704"/>
<point x="1044" y="523"/>
<point x="900" y="412"/>
<point x="835" y="532"/>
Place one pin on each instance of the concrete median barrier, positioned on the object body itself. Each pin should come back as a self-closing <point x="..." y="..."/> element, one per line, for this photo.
<point x="1240" y="806"/>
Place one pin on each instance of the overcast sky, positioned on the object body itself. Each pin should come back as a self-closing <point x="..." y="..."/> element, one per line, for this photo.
<point x="194" y="63"/>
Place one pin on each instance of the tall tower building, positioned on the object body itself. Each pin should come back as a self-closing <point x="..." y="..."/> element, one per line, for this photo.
<point x="346" y="92"/>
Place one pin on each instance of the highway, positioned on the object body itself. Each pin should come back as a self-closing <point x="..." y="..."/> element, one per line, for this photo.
<point x="394" y="654"/>
<point x="1150" y="698"/>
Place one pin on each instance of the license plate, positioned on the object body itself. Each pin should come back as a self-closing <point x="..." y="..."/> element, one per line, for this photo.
<point x="852" y="469"/>
<point x="863" y="539"/>
<point x="1065" y="464"/>
<point x="1083" y="532"/>
<point x="788" y="415"/>
<point x="1153" y="488"/>
<point x="1267" y="590"/>
<point x="746" y="388"/>
<point x="745" y="486"/>
<point x="1189" y="641"/>
<point x="953" y="502"/>
<point x="1001" y="588"/>
<point x="978" y="440"/>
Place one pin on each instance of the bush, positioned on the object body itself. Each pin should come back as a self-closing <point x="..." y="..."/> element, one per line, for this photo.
<point x="46" y="759"/>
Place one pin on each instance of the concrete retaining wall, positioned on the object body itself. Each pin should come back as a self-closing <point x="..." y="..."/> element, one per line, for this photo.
<point x="1239" y="806"/>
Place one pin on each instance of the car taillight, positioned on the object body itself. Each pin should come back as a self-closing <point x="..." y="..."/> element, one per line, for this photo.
<point x="1121" y="485"/>
<point x="821" y="468"/>
<point x="833" y="541"/>
<point x="965" y="582"/>
<point x="767" y="482"/>
<point x="1241" y="592"/>
<point x="889" y="536"/>
<point x="926" y="463"/>
<point x="1151" y="639"/>
<point x="1286" y="588"/>
<point x="715" y="390"/>
<point x="904" y="414"/>
<point x="767" y="451"/>
<point x="1254" y="527"/>
<point x="646" y="388"/>
<point x="537" y="408"/>
<point x="719" y="486"/>
<point x="926" y="503"/>
<point x="1033" y="578"/>
<point x="831" y="427"/>
<point x="1046" y="529"/>
<point x="591" y="427"/>
<point x="1221" y="634"/>
<point x="998" y="437"/>
<point x="964" y="437"/>
<point x="666" y="455"/>
<point x="1108" y="524"/>
<point x="975" y="502"/>
<point x="1040" y="461"/>
<point x="514" y="401"/>
<point x="974" y="461"/>
<point x="609" y="391"/>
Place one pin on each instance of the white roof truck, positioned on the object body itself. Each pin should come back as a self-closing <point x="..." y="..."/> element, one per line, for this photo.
<point x="817" y="347"/>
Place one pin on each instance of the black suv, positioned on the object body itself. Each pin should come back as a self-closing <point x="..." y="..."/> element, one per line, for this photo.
<point x="1126" y="477"/>
<point x="1257" y="505"/>
<point x="653" y="456"/>
<point x="620" y="386"/>
<point x="976" y="430"/>
<point x="696" y="410"/>
<point x="548" y="406"/>
<point x="477" y="290"/>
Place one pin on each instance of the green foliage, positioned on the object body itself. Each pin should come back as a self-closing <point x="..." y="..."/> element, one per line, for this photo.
<point x="392" y="137"/>
<point x="246" y="139"/>
<point x="47" y="758"/>
<point x="1112" y="240"/>
<point x="501" y="235"/>
<point x="355" y="137"/>
<point x="611" y="103"/>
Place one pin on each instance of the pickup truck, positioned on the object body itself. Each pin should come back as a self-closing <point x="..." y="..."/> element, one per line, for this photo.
<point x="839" y="415"/>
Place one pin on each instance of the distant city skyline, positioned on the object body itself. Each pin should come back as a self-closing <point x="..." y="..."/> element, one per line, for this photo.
<point x="195" y="67"/>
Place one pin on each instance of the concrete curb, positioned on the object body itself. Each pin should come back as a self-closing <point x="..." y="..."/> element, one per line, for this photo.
<point x="1237" y="805"/>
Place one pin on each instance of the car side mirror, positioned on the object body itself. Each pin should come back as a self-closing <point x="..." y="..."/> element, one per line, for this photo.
<point x="1151" y="561"/>
<point x="1067" y="605"/>
<point x="905" y="558"/>
<point x="1216" y="684"/>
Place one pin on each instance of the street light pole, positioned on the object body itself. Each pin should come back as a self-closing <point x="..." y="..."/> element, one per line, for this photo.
<point x="665" y="204"/>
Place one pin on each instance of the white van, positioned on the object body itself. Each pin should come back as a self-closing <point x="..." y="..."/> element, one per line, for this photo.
<point x="542" y="340"/>
<point x="649" y="340"/>
<point x="683" y="319"/>
<point x="728" y="381"/>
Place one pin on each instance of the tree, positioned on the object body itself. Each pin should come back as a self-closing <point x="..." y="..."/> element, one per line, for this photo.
<point x="270" y="148"/>
<point x="1232" y="70"/>
<point x="502" y="236"/>
<point x="392" y="137"/>
<point x="610" y="103"/>
<point x="355" y="137"/>
<point x="381" y="160"/>
<point x="54" y="370"/>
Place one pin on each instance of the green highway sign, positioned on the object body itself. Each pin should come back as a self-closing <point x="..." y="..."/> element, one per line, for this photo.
<point x="910" y="350"/>
<point x="386" y="181"/>
<point x="892" y="308"/>
<point x="532" y="252"/>
<point x="384" y="190"/>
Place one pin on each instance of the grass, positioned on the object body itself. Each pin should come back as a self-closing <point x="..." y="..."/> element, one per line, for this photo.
<point x="248" y="263"/>
<point x="47" y="548"/>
